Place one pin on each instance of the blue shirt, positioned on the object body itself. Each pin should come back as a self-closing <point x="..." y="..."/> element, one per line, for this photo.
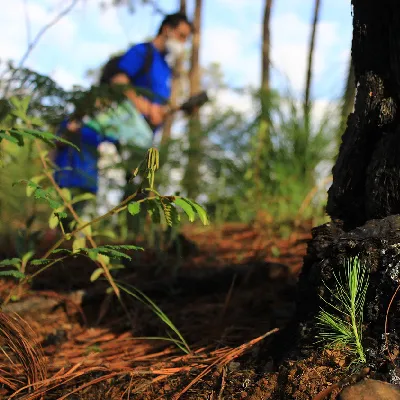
<point x="78" y="169"/>
<point x="158" y="79"/>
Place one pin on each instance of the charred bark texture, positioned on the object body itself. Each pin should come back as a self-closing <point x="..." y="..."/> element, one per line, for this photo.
<point x="366" y="182"/>
<point x="364" y="199"/>
<point x="378" y="242"/>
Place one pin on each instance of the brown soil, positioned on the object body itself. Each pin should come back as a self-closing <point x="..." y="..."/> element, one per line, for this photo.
<point x="228" y="297"/>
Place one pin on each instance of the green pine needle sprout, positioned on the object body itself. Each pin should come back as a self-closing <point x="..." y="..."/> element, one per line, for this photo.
<point x="344" y="328"/>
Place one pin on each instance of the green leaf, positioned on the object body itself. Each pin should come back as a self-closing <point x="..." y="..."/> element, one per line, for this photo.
<point x="20" y="103"/>
<point x="53" y="221"/>
<point x="87" y="231"/>
<point x="34" y="182"/>
<point x="153" y="208"/>
<point x="103" y="258"/>
<point x="5" y="109"/>
<point x="46" y="137"/>
<point x="97" y="256"/>
<point x="122" y="247"/>
<point x="53" y="203"/>
<point x="41" y="261"/>
<point x="78" y="244"/>
<point x="66" y="194"/>
<point x="106" y="233"/>
<point x="83" y="197"/>
<point x="13" y="273"/>
<point x="56" y="251"/>
<point x="39" y="193"/>
<point x="96" y="274"/>
<point x="44" y="153"/>
<point x="20" y="114"/>
<point x="107" y="252"/>
<point x="10" y="138"/>
<point x="186" y="207"/>
<point x="36" y="121"/>
<point x="26" y="257"/>
<point x="44" y="194"/>
<point x="55" y="217"/>
<point x="111" y="251"/>
<point x="175" y="217"/>
<point x="134" y="208"/>
<point x="18" y="136"/>
<point x="200" y="212"/>
<point x="10" y="261"/>
<point x="61" y="214"/>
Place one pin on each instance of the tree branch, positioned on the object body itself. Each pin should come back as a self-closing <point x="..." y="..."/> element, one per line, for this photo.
<point x="44" y="29"/>
<point x="27" y="23"/>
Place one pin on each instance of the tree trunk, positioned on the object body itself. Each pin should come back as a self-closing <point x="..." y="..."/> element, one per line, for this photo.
<point x="194" y="73"/>
<point x="263" y="140"/>
<point x="191" y="180"/>
<point x="307" y="101"/>
<point x="175" y="84"/>
<point x="348" y="100"/>
<point x="366" y="174"/>
<point x="266" y="46"/>
<point x="364" y="198"/>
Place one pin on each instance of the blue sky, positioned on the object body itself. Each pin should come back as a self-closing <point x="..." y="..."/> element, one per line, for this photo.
<point x="231" y="36"/>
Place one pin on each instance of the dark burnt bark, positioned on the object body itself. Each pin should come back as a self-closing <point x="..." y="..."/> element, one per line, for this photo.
<point x="347" y="100"/>
<point x="364" y="198"/>
<point x="366" y="182"/>
<point x="378" y="244"/>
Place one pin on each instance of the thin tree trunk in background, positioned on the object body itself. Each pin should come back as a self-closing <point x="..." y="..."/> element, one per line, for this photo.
<point x="307" y="102"/>
<point x="266" y="44"/>
<point x="176" y="80"/>
<point x="194" y="73"/>
<point x="191" y="180"/>
<point x="347" y="101"/>
<point x="182" y="7"/>
<point x="263" y="140"/>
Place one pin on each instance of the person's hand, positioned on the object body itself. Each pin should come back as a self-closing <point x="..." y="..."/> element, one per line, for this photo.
<point x="157" y="114"/>
<point x="143" y="105"/>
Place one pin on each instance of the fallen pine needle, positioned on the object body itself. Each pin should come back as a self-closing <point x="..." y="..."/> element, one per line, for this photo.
<point x="224" y="360"/>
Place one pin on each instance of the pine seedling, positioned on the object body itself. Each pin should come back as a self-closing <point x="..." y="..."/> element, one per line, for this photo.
<point x="343" y="327"/>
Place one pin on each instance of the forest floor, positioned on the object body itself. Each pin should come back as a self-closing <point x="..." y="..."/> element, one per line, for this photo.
<point x="228" y="297"/>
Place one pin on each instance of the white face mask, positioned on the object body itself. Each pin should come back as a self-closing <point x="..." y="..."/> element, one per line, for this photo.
<point x="175" y="49"/>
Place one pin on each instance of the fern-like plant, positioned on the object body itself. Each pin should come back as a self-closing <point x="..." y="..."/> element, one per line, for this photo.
<point x="343" y="326"/>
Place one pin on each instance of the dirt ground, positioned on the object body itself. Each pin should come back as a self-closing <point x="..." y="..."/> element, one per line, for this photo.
<point x="228" y="296"/>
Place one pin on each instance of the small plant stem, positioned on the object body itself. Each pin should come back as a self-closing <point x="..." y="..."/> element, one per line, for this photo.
<point x="391" y="356"/>
<point x="355" y="332"/>
<point x="107" y="273"/>
<point x="30" y="277"/>
<point x="114" y="210"/>
<point x="109" y="213"/>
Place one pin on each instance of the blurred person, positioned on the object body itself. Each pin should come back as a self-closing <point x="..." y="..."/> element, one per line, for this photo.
<point x="146" y="69"/>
